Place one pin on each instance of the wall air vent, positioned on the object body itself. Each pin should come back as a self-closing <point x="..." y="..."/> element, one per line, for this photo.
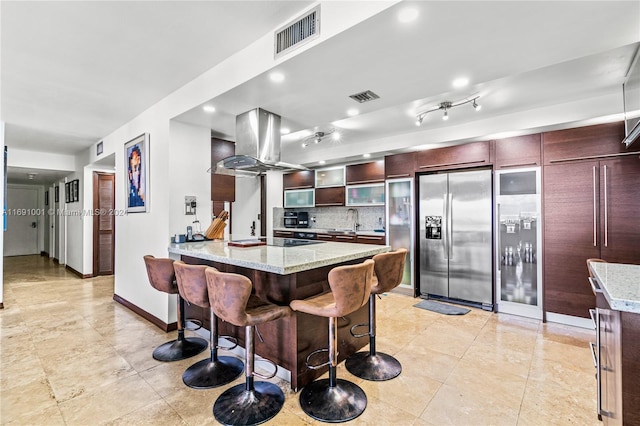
<point x="365" y="96"/>
<point x="297" y="33"/>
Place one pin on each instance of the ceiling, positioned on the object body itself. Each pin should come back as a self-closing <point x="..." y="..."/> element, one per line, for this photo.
<point x="73" y="72"/>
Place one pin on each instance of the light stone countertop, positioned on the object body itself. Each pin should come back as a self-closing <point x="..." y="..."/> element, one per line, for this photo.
<point x="620" y="284"/>
<point x="279" y="260"/>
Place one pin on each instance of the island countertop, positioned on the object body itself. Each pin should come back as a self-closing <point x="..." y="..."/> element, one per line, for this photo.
<point x="620" y="284"/>
<point x="277" y="259"/>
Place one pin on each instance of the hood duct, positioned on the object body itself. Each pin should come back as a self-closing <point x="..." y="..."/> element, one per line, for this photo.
<point x="257" y="146"/>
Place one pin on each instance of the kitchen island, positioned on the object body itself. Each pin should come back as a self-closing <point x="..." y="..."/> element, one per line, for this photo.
<point x="283" y="270"/>
<point x="617" y="348"/>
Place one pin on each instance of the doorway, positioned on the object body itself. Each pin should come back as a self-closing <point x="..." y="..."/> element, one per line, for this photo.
<point x="21" y="237"/>
<point x="103" y="223"/>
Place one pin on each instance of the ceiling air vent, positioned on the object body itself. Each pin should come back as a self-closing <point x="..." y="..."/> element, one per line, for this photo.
<point x="365" y="96"/>
<point x="298" y="32"/>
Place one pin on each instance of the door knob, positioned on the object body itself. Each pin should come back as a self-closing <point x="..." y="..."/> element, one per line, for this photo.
<point x="34" y="225"/>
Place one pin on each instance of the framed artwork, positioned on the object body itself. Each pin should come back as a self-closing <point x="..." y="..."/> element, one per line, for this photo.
<point x="137" y="183"/>
<point x="56" y="193"/>
<point x="46" y="198"/>
<point x="99" y="148"/>
<point x="67" y="198"/>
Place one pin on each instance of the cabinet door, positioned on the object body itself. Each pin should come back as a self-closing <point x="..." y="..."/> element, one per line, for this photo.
<point x="365" y="195"/>
<point x="330" y="196"/>
<point x="223" y="187"/>
<point x="345" y="238"/>
<point x="330" y="177"/>
<point x="399" y="165"/>
<point x="299" y="198"/>
<point x="571" y="235"/>
<point x="520" y="151"/>
<point x="583" y="142"/>
<point x="283" y="234"/>
<point x="303" y="179"/>
<point x="325" y="237"/>
<point x="372" y="172"/>
<point x="619" y="207"/>
<point x="370" y="239"/>
<point x="465" y="155"/>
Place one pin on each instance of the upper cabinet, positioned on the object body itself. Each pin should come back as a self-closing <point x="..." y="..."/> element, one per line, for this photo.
<point x="365" y="195"/>
<point x="520" y="151"/>
<point x="303" y="179"/>
<point x="299" y="198"/>
<point x="583" y="143"/>
<point x="333" y="176"/>
<point x="331" y="196"/>
<point x="223" y="187"/>
<point x="457" y="156"/>
<point x="372" y="172"/>
<point x="399" y="165"/>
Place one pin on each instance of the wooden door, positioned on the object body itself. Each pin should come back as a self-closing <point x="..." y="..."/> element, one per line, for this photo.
<point x="619" y="207"/>
<point x="103" y="223"/>
<point x="571" y="235"/>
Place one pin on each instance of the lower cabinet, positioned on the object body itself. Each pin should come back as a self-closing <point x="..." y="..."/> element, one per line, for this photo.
<point x="340" y="238"/>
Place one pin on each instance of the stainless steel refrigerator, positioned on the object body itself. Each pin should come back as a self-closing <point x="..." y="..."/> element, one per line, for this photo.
<point x="455" y="237"/>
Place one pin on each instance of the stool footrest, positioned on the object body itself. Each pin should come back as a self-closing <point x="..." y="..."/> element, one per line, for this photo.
<point x="275" y="370"/>
<point x="232" y="339"/>
<point x="196" y="322"/>
<point x="316" y="366"/>
<point x="353" y="333"/>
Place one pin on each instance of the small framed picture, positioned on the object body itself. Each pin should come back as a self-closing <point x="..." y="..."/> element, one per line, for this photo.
<point x="137" y="163"/>
<point x="46" y="198"/>
<point x="99" y="148"/>
<point x="75" y="194"/>
<point x="56" y="193"/>
<point x="67" y="193"/>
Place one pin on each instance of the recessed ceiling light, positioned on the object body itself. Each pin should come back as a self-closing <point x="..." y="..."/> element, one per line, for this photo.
<point x="352" y="112"/>
<point x="276" y="77"/>
<point x="407" y="14"/>
<point x="321" y="162"/>
<point x="209" y="108"/>
<point x="366" y="155"/>
<point x="285" y="131"/>
<point x="336" y="136"/>
<point x="460" y="82"/>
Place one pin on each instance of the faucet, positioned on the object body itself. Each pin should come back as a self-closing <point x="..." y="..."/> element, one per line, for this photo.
<point x="353" y="216"/>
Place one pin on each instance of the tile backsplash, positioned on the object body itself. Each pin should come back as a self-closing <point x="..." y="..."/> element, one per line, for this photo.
<point x="369" y="217"/>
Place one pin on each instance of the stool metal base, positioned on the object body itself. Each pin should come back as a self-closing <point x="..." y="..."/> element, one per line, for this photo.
<point x="208" y="374"/>
<point x="341" y="403"/>
<point x="180" y="349"/>
<point x="239" y="406"/>
<point x="376" y="367"/>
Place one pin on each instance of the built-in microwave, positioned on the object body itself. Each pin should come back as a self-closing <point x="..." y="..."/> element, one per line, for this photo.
<point x="296" y="219"/>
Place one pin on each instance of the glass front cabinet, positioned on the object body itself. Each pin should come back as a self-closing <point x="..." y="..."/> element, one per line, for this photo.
<point x="299" y="198"/>
<point x="365" y="195"/>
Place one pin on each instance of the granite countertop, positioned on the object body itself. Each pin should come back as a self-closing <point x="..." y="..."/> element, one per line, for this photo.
<point x="620" y="284"/>
<point x="279" y="260"/>
<point x="328" y="231"/>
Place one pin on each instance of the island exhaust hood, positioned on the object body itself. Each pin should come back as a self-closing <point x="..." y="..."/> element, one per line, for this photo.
<point x="257" y="146"/>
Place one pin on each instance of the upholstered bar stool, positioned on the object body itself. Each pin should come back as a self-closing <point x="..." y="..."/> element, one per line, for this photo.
<point x="213" y="371"/>
<point x="163" y="278"/>
<point x="372" y="365"/>
<point x="336" y="400"/>
<point x="253" y="402"/>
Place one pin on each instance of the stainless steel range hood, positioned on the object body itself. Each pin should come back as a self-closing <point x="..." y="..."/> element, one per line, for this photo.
<point x="257" y="146"/>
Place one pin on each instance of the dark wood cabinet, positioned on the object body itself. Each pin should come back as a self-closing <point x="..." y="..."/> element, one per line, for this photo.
<point x="343" y="238"/>
<point x="302" y="179"/>
<point x="590" y="211"/>
<point x="583" y="143"/>
<point x="372" y="172"/>
<point x="371" y="239"/>
<point x="399" y="165"/>
<point x="452" y="157"/>
<point x="325" y="237"/>
<point x="332" y="196"/>
<point x="223" y="187"/>
<point x="520" y="151"/>
<point x="283" y="234"/>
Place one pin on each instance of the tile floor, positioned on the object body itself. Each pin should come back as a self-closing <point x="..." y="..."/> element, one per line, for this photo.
<point x="72" y="356"/>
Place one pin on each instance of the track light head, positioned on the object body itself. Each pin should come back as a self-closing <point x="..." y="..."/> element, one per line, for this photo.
<point x="445" y="117"/>
<point x="476" y="106"/>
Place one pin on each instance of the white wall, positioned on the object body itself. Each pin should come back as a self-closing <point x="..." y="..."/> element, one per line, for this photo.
<point x="41" y="160"/>
<point x="74" y="215"/>
<point x="3" y="206"/>
<point x="274" y="197"/>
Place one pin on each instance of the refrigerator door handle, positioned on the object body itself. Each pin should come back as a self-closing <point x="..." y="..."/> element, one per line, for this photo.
<point x="445" y="228"/>
<point x="498" y="240"/>
<point x="606" y="218"/>
<point x="450" y="226"/>
<point x="595" y="234"/>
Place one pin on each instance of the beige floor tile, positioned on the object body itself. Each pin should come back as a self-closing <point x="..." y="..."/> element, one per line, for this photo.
<point x="195" y="406"/>
<point x="109" y="402"/>
<point x="443" y="337"/>
<point x="49" y="416"/>
<point x="156" y="413"/>
<point x="22" y="400"/>
<point x="551" y="350"/>
<point x="427" y="363"/>
<point x="498" y="358"/>
<point x="21" y="372"/>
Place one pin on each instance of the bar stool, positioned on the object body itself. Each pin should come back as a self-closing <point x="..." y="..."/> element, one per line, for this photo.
<point x="213" y="371"/>
<point x="250" y="403"/>
<point x="163" y="278"/>
<point x="372" y="365"/>
<point x="336" y="400"/>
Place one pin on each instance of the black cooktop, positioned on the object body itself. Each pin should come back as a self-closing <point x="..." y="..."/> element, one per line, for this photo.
<point x="291" y="242"/>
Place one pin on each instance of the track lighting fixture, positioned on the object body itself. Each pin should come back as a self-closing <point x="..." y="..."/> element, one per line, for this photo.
<point x="317" y="137"/>
<point x="445" y="107"/>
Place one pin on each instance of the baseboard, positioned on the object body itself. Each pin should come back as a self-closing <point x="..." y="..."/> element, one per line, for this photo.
<point x="570" y="320"/>
<point x="56" y="261"/>
<point x="79" y="274"/>
<point x="146" y="315"/>
<point x="44" y="254"/>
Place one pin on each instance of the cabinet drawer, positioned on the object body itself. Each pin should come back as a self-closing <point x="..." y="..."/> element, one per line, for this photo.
<point x="371" y="239"/>
<point x="345" y="238"/>
<point x="283" y="234"/>
<point x="325" y="237"/>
